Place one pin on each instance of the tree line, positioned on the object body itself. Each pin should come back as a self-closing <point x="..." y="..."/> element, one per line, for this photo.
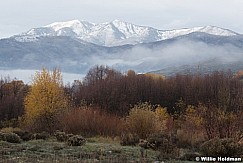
<point x="202" y="112"/>
<point x="115" y="92"/>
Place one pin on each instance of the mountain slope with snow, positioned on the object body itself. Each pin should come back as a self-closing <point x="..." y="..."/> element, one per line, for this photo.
<point x="114" y="33"/>
<point x="73" y="55"/>
<point x="75" y="46"/>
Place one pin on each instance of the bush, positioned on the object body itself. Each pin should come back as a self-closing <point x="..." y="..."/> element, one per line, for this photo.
<point x="12" y="138"/>
<point x="164" y="144"/>
<point x="76" y="140"/>
<point x="24" y="135"/>
<point x="69" y="135"/>
<point x="221" y="147"/>
<point x="92" y="122"/>
<point x="186" y="138"/>
<point x="129" y="139"/>
<point x="159" y="141"/>
<point x="143" y="121"/>
<point x="61" y="136"/>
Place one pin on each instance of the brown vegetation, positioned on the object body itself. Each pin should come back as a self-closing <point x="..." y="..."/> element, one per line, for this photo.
<point x="12" y="94"/>
<point x="144" y="121"/>
<point x="186" y="109"/>
<point x="90" y="121"/>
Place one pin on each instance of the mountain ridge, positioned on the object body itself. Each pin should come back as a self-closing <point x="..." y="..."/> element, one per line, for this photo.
<point x="114" y="33"/>
<point x="61" y="45"/>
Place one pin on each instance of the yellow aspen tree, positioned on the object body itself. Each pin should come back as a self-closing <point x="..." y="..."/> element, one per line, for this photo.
<point x="45" y="101"/>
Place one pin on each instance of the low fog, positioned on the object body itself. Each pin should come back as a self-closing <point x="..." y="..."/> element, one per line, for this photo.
<point x="143" y="58"/>
<point x="179" y="53"/>
<point x="27" y="75"/>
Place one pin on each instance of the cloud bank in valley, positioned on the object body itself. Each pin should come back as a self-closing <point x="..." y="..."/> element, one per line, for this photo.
<point x="141" y="58"/>
<point x="27" y="75"/>
<point x="183" y="52"/>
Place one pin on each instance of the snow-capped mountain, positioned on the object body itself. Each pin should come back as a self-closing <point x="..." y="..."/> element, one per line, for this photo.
<point x="76" y="46"/>
<point x="114" y="33"/>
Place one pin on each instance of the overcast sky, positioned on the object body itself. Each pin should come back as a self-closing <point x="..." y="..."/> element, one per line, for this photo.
<point x="18" y="16"/>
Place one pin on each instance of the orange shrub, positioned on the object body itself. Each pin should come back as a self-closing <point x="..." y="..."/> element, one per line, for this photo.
<point x="92" y="122"/>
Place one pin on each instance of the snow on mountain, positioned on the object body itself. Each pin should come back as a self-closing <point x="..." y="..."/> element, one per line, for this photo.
<point x="113" y="33"/>
<point x="207" y="29"/>
<point x="76" y="26"/>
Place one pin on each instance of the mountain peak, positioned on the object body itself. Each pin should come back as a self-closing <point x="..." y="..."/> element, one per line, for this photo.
<point x="58" y="25"/>
<point x="75" y="25"/>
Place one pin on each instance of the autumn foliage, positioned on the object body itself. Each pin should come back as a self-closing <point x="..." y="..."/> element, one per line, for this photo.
<point x="144" y="121"/>
<point x="45" y="101"/>
<point x="187" y="109"/>
<point x="91" y="121"/>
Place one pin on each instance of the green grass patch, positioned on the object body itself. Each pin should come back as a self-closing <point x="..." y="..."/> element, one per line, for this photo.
<point x="96" y="149"/>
